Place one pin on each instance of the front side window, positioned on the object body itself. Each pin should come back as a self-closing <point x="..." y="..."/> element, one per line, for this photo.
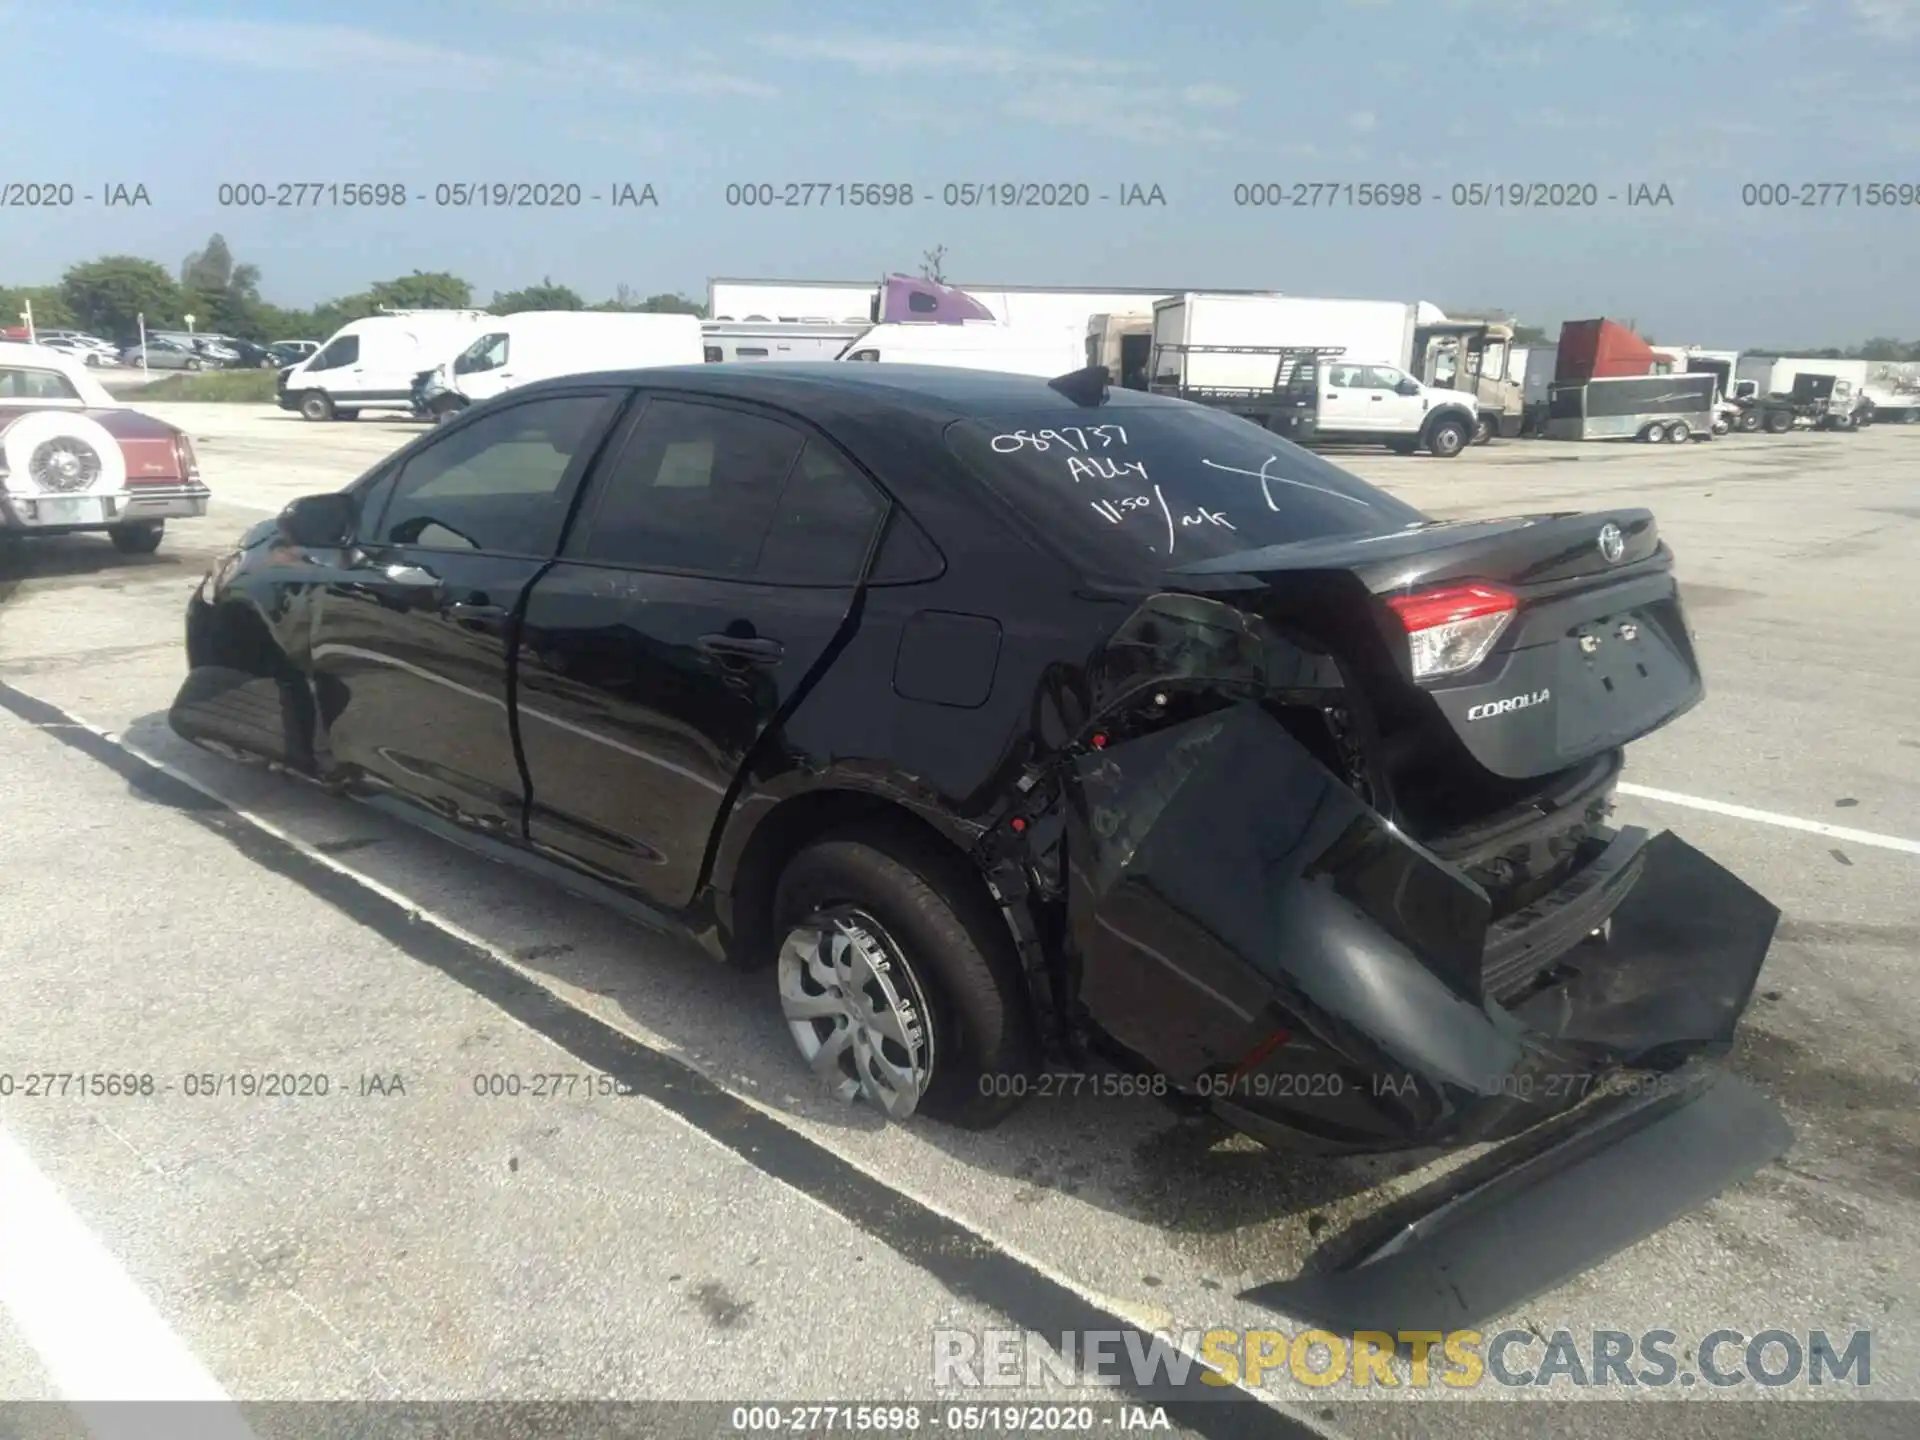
<point x="868" y="354"/>
<point x="489" y="352"/>
<point x="695" y="487"/>
<point x="343" y="351"/>
<point x="498" y="484"/>
<point x="1380" y="377"/>
<point x="24" y="383"/>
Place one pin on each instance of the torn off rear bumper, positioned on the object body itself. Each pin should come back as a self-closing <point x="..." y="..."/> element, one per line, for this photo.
<point x="1540" y="1210"/>
<point x="1248" y="926"/>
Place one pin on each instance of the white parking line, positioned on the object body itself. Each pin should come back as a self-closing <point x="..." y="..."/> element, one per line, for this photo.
<point x="1768" y="817"/>
<point x="98" y="1336"/>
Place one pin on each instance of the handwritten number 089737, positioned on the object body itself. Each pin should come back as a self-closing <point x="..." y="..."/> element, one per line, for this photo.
<point x="1067" y="437"/>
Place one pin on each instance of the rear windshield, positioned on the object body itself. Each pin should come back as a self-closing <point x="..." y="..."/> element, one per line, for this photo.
<point x="1130" y="489"/>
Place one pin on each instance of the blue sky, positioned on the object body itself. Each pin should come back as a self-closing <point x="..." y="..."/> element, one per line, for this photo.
<point x="182" y="95"/>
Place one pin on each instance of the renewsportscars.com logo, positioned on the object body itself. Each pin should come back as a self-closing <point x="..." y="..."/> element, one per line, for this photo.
<point x="1411" y="1359"/>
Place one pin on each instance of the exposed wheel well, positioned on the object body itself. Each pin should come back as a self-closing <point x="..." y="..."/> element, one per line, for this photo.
<point x="234" y="637"/>
<point x="796" y="823"/>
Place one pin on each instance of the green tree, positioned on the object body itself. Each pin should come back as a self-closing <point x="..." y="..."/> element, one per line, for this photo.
<point x="210" y="269"/>
<point x="109" y="294"/>
<point x="422" y="290"/>
<point x="672" y="304"/>
<point x="933" y="265"/>
<point x="544" y="296"/>
<point x="50" y="308"/>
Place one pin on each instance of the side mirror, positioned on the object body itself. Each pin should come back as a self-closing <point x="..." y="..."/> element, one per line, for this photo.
<point x="319" y="522"/>
<point x="1408" y="387"/>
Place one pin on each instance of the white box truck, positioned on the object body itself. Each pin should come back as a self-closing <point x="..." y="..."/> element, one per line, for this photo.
<point x="1313" y="370"/>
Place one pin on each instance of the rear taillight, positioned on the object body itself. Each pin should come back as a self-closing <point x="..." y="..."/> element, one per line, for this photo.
<point x="183" y="453"/>
<point x="1451" y="629"/>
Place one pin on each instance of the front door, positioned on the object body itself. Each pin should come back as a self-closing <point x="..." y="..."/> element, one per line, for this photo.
<point x="480" y="371"/>
<point x="1389" y="412"/>
<point x="715" y="559"/>
<point x="410" y="639"/>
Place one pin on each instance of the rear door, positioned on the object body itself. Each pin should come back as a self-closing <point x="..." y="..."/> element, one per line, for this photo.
<point x="717" y="556"/>
<point x="410" y="628"/>
<point x="1342" y="401"/>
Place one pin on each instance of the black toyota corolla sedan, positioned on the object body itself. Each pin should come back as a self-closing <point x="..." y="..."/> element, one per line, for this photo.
<point x="1011" y="722"/>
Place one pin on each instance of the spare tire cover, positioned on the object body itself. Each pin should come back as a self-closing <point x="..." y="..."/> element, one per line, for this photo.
<point x="60" y="452"/>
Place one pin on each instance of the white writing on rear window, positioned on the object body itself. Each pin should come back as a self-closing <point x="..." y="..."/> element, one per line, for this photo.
<point x="1081" y="438"/>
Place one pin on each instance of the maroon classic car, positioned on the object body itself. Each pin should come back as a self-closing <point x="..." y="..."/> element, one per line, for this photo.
<point x="72" y="458"/>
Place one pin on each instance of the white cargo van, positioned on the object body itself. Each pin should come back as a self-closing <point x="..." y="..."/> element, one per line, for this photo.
<point x="974" y="345"/>
<point x="534" y="345"/>
<point x="370" y="364"/>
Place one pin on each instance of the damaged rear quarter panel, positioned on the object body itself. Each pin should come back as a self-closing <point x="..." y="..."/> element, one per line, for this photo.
<point x="1219" y="870"/>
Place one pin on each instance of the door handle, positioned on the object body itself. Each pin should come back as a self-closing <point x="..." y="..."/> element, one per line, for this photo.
<point x="414" y="577"/>
<point x="1376" y="398"/>
<point x="476" y="610"/>
<point x="742" y="647"/>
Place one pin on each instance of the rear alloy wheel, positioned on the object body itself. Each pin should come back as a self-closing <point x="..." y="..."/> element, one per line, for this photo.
<point x="1679" y="432"/>
<point x="314" y="405"/>
<point x="1447" y="439"/>
<point x="192" y="365"/>
<point x="138" y="539"/>
<point x="899" y="983"/>
<point x="1654" y="433"/>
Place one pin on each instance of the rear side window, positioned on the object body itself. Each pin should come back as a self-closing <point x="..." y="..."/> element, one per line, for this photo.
<point x="825" y="523"/>
<point x="22" y="383"/>
<point x="695" y="487"/>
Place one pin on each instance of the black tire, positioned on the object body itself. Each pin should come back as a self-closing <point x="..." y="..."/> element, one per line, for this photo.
<point x="1483" y="430"/>
<point x="1679" y="433"/>
<point x="1779" y="422"/>
<point x="138" y="539"/>
<point x="314" y="405"/>
<point x="1447" y="438"/>
<point x="1748" y="422"/>
<point x="956" y="947"/>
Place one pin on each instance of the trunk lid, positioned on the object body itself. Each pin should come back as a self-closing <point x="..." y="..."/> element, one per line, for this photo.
<point x="1596" y="652"/>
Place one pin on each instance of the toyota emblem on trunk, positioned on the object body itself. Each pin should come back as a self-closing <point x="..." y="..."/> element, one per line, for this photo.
<point x="1612" y="543"/>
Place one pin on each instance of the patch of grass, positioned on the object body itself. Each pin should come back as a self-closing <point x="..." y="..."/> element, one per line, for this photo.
<point x="242" y="387"/>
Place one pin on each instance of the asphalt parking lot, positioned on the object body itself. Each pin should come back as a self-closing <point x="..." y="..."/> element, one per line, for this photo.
<point x="734" y="1235"/>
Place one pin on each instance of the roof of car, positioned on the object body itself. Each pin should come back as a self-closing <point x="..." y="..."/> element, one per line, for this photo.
<point x="956" y="393"/>
<point x="44" y="357"/>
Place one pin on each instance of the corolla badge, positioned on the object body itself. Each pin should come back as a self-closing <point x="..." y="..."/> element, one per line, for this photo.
<point x="1612" y="543"/>
<point x="1509" y="705"/>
